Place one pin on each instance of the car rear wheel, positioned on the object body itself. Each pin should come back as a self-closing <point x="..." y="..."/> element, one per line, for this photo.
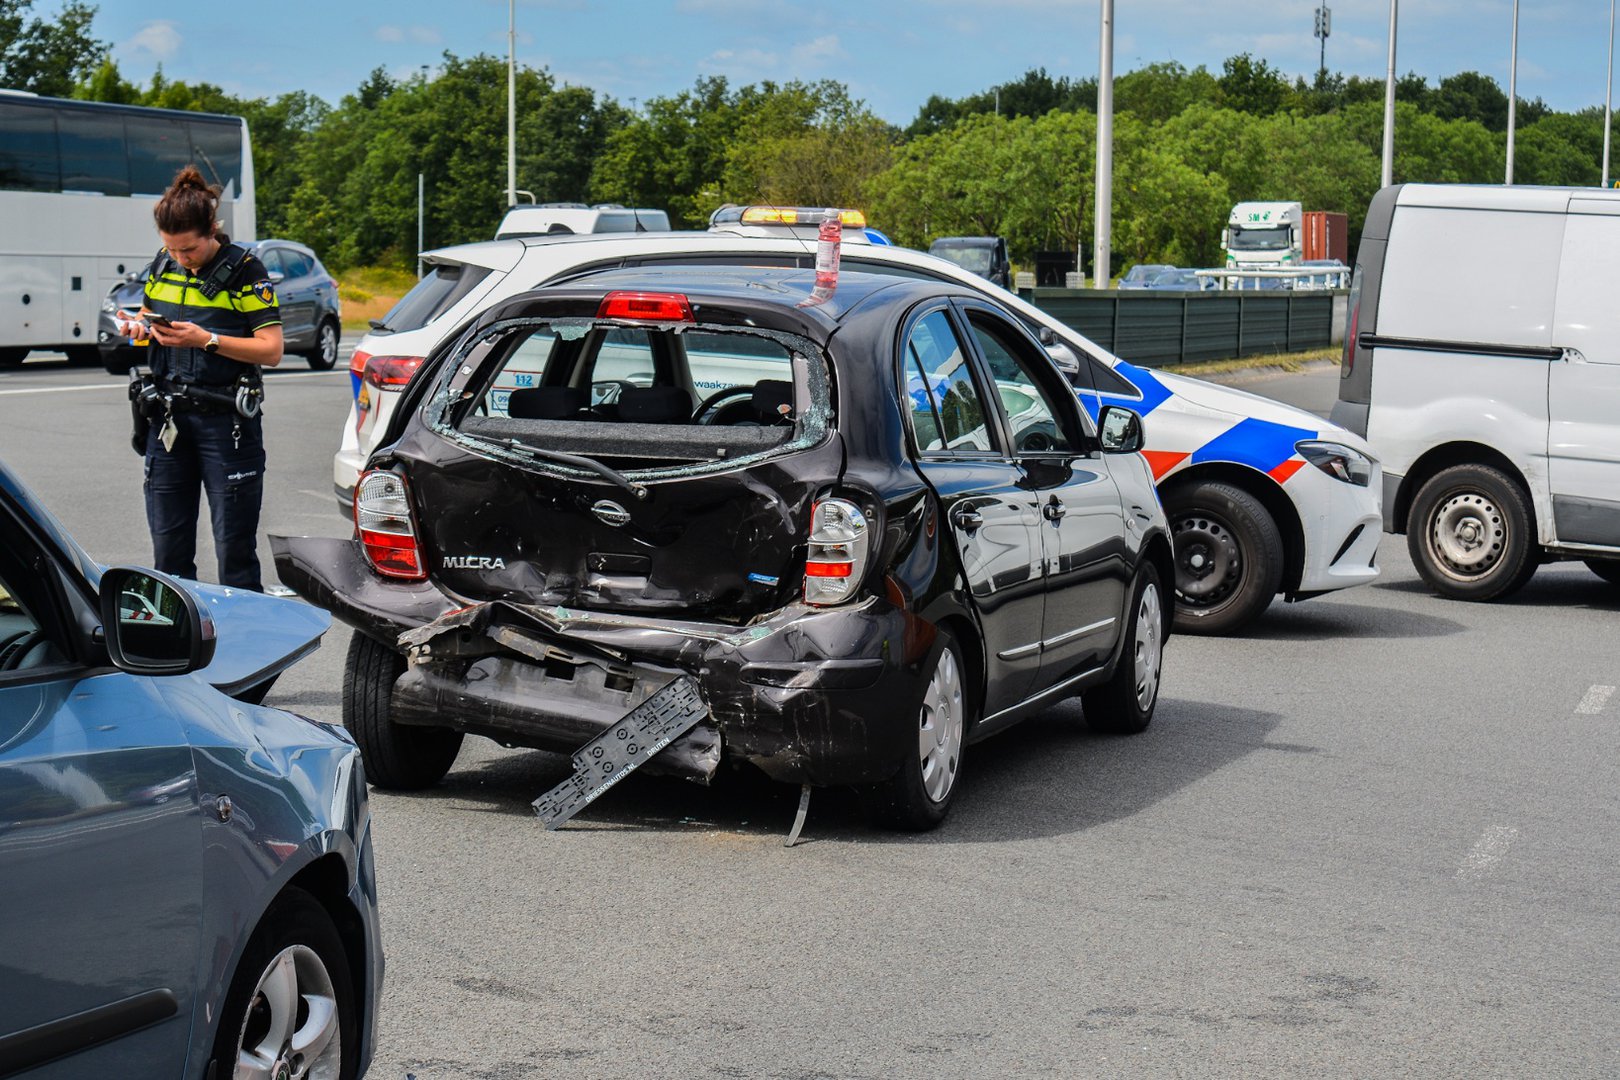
<point x="919" y="796"/>
<point x="1471" y="534"/>
<point x="1229" y="557"/>
<point x="118" y="362"/>
<point x="290" y="1013"/>
<point x="398" y="756"/>
<point x="1124" y="704"/>
<point x="324" y="354"/>
<point x="1607" y="569"/>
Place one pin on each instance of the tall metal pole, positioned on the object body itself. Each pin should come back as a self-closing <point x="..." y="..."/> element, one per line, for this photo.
<point x="1513" y="90"/>
<point x="1389" y="105"/>
<point x="511" y="102"/>
<point x="1102" y="241"/>
<point x="419" y="244"/>
<point x="1608" y="93"/>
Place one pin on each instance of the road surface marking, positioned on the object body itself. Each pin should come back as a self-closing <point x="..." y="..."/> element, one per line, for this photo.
<point x="1595" y="699"/>
<point x="1487" y="851"/>
<point x="272" y="380"/>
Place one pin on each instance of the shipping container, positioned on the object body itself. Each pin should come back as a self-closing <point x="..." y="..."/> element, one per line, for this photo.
<point x="1327" y="236"/>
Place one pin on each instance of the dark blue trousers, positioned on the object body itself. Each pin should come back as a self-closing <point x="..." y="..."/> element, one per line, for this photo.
<point x="206" y="458"/>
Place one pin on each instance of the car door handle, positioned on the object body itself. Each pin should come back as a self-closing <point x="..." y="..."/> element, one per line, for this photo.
<point x="1054" y="510"/>
<point x="968" y="520"/>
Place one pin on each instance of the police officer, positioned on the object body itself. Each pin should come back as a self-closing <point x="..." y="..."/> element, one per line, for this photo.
<point x="212" y="322"/>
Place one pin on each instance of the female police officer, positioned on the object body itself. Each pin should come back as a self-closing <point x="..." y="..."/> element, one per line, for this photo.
<point x="213" y="322"/>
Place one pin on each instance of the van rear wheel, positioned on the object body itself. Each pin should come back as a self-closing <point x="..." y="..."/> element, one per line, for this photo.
<point x="398" y="756"/>
<point x="1472" y="534"/>
<point x="1607" y="569"/>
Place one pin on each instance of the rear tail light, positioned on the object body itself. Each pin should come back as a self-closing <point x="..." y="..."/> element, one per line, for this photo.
<point x="837" y="558"/>
<point x="646" y="307"/>
<point x="391" y="370"/>
<point x="382" y="516"/>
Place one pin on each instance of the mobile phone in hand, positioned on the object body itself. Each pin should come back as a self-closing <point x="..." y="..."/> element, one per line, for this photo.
<point x="158" y="320"/>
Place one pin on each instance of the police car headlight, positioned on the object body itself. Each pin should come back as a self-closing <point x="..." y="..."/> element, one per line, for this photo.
<point x="109" y="305"/>
<point x="1338" y="461"/>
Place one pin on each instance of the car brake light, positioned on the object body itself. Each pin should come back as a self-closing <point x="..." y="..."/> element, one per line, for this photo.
<point x="837" y="558"/>
<point x="646" y="307"/>
<point x="391" y="370"/>
<point x="382" y="517"/>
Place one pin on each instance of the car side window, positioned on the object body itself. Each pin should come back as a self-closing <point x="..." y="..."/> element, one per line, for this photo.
<point x="271" y="257"/>
<point x="1037" y="422"/>
<point x="297" y="265"/>
<point x="27" y="637"/>
<point x="947" y="411"/>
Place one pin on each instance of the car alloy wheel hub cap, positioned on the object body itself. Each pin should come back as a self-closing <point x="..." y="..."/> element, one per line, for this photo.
<point x="1149" y="651"/>
<point x="1209" y="563"/>
<point x="1468" y="535"/>
<point x="292" y="1028"/>
<point x="939" y="736"/>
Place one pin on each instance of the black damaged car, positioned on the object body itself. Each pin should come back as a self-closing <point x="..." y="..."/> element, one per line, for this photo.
<point x="855" y="528"/>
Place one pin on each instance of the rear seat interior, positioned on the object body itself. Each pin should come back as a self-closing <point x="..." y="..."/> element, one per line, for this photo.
<point x="771" y="404"/>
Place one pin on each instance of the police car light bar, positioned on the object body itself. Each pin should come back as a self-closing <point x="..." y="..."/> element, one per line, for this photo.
<point x="786" y="215"/>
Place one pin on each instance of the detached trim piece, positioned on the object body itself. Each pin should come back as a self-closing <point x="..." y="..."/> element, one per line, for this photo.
<point x="1518" y="352"/>
<point x="35" y="1046"/>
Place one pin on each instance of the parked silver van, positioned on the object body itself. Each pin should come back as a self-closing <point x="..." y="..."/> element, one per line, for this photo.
<point x="1492" y="396"/>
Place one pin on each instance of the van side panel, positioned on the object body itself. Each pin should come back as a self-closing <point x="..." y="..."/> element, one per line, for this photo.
<point x="1583" y="440"/>
<point x="1464" y="339"/>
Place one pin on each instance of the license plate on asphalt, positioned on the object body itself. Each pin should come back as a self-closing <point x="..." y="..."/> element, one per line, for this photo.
<point x="622" y="748"/>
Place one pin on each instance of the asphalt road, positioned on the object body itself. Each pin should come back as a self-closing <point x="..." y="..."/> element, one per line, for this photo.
<point x="1375" y="836"/>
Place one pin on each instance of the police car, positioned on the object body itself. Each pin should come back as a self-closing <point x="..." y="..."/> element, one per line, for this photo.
<point x="1263" y="499"/>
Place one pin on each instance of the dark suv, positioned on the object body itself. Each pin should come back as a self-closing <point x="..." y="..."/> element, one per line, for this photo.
<point x="865" y="525"/>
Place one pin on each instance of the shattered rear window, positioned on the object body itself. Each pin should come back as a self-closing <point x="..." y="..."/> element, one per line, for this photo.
<point x="693" y="398"/>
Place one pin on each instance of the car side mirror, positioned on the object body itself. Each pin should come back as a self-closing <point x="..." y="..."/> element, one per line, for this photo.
<point x="153" y="625"/>
<point x="277" y="277"/>
<point x="1120" y="430"/>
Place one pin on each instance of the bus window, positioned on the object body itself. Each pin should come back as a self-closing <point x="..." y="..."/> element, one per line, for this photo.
<point x="93" y="155"/>
<point x="28" y="159"/>
<point x="159" y="147"/>
<point x="218" y="154"/>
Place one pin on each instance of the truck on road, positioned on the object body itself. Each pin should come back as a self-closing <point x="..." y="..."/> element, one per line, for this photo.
<point x="1274" y="234"/>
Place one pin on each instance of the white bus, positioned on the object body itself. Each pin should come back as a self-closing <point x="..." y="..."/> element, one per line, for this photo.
<point x="78" y="181"/>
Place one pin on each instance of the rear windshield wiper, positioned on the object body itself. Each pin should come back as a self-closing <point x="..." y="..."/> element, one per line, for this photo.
<point x="379" y="325"/>
<point x="580" y="461"/>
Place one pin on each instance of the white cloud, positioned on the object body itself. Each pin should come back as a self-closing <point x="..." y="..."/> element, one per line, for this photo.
<point x="390" y="34"/>
<point x="820" y="50"/>
<point x="425" y="35"/>
<point x="420" y="35"/>
<point x="160" y="40"/>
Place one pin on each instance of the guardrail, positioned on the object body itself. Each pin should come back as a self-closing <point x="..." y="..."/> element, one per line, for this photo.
<point x="1303" y="278"/>
<point x="1167" y="328"/>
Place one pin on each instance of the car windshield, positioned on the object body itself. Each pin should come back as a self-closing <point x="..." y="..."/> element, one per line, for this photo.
<point x="972" y="259"/>
<point x="1249" y="238"/>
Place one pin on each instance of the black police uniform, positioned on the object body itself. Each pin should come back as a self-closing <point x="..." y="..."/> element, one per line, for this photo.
<point x="214" y="447"/>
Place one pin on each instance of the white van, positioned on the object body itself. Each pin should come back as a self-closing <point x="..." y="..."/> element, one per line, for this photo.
<point x="1483" y="365"/>
<point x="547" y="219"/>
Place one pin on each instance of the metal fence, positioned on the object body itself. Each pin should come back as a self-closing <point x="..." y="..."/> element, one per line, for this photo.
<point x="1162" y="328"/>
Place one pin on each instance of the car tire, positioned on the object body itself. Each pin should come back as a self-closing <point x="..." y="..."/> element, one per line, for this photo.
<point x="1229" y="557"/>
<point x="1607" y="569"/>
<point x="1471" y="534"/>
<point x="293" y="989"/>
<point x="10" y="358"/>
<point x="919" y="795"/>
<point x="1124" y="704"/>
<point x="398" y="756"/>
<point x="324" y="354"/>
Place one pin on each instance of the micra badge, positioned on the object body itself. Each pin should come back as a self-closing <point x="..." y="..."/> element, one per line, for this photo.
<point x="473" y="562"/>
<point x="611" y="513"/>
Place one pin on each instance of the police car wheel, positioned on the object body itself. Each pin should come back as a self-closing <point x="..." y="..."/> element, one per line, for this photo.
<point x="397" y="756"/>
<point x="1471" y="534"/>
<point x="325" y="353"/>
<point x="1229" y="557"/>
<point x="919" y="795"/>
<point x="1607" y="569"/>
<point x="291" y="1010"/>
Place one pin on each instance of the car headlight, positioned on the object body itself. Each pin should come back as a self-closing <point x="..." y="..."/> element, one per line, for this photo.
<point x="1338" y="461"/>
<point x="109" y="305"/>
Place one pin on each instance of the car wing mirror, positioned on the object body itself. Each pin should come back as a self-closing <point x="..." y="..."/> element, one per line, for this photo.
<point x="1120" y="430"/>
<point x="277" y="277"/>
<point x="153" y="624"/>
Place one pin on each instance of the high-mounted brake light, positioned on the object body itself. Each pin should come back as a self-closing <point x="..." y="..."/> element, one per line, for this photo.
<point x="382" y="517"/>
<point x="646" y="307"/>
<point x="800" y="215"/>
<point x="837" y="558"/>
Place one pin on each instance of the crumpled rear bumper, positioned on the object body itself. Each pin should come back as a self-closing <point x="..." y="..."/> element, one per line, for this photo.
<point x="824" y="696"/>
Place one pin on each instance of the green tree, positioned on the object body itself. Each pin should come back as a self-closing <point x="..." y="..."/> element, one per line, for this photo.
<point x="48" y="56"/>
<point x="1252" y="86"/>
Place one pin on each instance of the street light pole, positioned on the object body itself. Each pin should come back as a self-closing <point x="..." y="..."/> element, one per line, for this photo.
<point x="1389" y="105"/>
<point x="1513" y="90"/>
<point x="1608" y="93"/>
<point x="511" y="102"/>
<point x="1103" y="239"/>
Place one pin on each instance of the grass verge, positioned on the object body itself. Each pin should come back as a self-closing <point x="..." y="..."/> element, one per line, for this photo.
<point x="368" y="292"/>
<point x="1295" y="361"/>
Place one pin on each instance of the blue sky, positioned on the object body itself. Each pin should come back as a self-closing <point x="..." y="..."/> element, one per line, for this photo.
<point x="892" y="53"/>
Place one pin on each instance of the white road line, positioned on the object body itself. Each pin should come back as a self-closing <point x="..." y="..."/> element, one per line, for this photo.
<point x="1487" y="851"/>
<point x="1595" y="699"/>
<point x="271" y="381"/>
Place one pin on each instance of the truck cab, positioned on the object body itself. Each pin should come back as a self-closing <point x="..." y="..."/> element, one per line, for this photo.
<point x="1263" y="234"/>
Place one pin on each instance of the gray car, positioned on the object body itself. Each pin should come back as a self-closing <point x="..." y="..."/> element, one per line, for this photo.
<point x="186" y="881"/>
<point x="311" y="311"/>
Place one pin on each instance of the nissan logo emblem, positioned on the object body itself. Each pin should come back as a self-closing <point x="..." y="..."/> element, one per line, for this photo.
<point x="611" y="513"/>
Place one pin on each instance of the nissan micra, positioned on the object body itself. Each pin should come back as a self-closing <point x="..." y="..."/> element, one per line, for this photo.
<point x="866" y="522"/>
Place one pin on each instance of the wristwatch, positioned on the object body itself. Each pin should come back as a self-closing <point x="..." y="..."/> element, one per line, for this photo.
<point x="213" y="343"/>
